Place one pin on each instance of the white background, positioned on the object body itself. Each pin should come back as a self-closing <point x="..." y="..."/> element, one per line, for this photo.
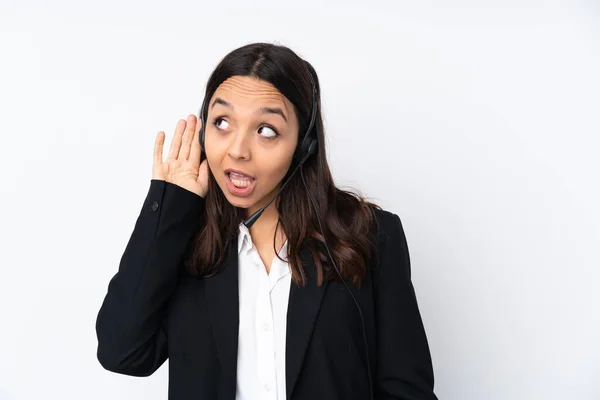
<point x="476" y="122"/>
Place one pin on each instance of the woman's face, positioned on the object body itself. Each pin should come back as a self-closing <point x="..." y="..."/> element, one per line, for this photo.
<point x="251" y="127"/>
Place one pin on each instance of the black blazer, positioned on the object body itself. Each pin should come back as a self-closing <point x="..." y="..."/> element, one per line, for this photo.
<point x="154" y="310"/>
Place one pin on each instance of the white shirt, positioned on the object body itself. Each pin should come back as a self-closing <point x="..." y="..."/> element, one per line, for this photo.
<point x="263" y="320"/>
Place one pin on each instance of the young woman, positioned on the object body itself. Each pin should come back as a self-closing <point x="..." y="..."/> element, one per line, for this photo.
<point x="313" y="300"/>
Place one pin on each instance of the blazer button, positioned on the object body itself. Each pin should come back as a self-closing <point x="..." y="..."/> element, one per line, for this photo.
<point x="155" y="206"/>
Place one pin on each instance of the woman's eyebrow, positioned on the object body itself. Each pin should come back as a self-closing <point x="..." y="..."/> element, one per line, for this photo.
<point x="272" y="110"/>
<point x="262" y="110"/>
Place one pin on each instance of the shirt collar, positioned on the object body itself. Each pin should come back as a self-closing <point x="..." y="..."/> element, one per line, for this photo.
<point x="244" y="238"/>
<point x="245" y="241"/>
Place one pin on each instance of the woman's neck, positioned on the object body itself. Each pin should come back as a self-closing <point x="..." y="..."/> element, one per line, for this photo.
<point x="263" y="229"/>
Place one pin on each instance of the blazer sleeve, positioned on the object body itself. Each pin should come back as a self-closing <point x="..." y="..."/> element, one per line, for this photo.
<point x="404" y="367"/>
<point x="130" y="324"/>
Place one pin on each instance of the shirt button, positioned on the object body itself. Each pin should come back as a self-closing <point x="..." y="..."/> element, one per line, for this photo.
<point x="155" y="206"/>
<point x="268" y="387"/>
<point x="266" y="327"/>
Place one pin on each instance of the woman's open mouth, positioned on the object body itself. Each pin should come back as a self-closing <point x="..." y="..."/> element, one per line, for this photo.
<point x="240" y="186"/>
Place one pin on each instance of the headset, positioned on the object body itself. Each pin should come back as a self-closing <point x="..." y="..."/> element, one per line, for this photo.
<point x="301" y="154"/>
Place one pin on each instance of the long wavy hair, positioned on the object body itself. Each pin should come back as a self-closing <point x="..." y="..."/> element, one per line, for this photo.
<point x="346" y="217"/>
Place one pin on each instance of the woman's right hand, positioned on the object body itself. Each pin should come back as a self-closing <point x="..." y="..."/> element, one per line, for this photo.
<point x="182" y="166"/>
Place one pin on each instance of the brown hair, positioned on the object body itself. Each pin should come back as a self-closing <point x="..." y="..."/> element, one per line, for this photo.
<point x="346" y="217"/>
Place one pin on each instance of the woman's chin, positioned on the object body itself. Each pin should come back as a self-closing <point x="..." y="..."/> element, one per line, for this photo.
<point x="240" y="202"/>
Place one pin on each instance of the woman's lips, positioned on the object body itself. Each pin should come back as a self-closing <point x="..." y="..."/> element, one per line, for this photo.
<point x="240" y="191"/>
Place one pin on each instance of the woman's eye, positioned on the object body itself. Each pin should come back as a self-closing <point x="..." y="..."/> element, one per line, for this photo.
<point x="273" y="133"/>
<point x="216" y="123"/>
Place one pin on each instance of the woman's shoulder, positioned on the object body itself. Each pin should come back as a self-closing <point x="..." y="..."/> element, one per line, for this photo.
<point x="385" y="221"/>
<point x="391" y="248"/>
<point x="388" y="233"/>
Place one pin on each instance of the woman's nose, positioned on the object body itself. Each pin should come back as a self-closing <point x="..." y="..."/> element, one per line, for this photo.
<point x="240" y="146"/>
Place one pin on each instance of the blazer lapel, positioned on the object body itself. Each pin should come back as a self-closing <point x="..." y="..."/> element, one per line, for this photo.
<point x="222" y="298"/>
<point x="303" y="308"/>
